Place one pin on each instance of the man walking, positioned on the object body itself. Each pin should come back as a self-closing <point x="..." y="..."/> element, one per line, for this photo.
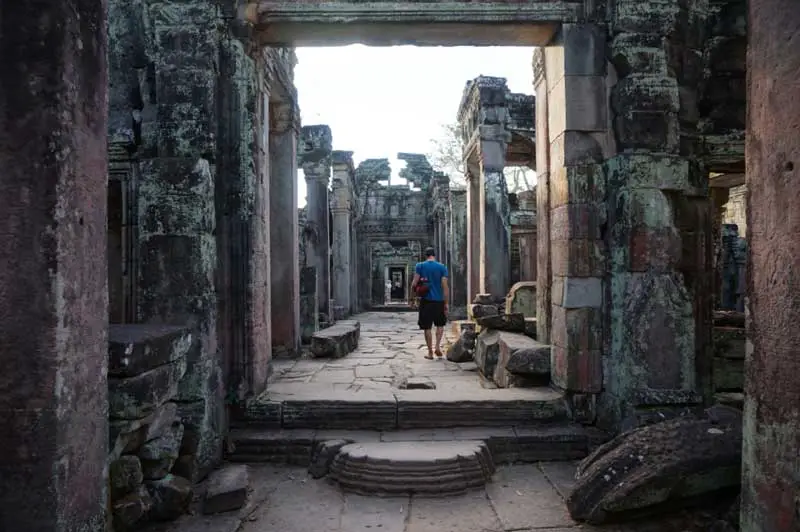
<point x="430" y="284"/>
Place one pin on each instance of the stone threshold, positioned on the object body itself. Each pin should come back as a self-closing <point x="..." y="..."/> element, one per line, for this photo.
<point x="403" y="409"/>
<point x="507" y="444"/>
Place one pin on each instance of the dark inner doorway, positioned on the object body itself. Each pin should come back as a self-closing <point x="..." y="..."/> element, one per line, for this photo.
<point x="398" y="278"/>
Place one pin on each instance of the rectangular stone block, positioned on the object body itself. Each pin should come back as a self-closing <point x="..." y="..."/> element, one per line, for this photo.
<point x="577" y="370"/>
<point x="577" y="184"/>
<point x="487" y="352"/>
<point x="521" y="361"/>
<point x="657" y="17"/>
<point x="658" y="171"/>
<point x="584" y="49"/>
<point x="573" y="221"/>
<point x="654" y="250"/>
<point x="577" y="328"/>
<point x="137" y="397"/>
<point x="587" y="103"/>
<point x="578" y="292"/>
<point x="647" y="130"/>
<point x="136" y="348"/>
<point x="578" y="257"/>
<point x="580" y="148"/>
<point x="640" y="54"/>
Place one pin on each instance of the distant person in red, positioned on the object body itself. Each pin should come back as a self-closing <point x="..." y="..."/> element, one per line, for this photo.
<point x="430" y="285"/>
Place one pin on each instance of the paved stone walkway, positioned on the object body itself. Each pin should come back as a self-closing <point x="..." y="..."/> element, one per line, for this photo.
<point x="390" y="355"/>
<point x="522" y="498"/>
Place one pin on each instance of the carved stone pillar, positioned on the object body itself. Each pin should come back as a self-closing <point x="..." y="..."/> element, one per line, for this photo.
<point x="458" y="260"/>
<point x="315" y="159"/>
<point x="340" y="209"/>
<point x="54" y="325"/>
<point x="283" y="227"/>
<point x="544" y="265"/>
<point x="495" y="230"/>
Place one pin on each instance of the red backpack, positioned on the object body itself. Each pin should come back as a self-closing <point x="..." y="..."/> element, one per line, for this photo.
<point x="422" y="287"/>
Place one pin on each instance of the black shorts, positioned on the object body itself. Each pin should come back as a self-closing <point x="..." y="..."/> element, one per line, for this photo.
<point x="431" y="313"/>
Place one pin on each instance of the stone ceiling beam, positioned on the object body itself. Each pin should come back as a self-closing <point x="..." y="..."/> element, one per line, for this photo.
<point x="281" y="22"/>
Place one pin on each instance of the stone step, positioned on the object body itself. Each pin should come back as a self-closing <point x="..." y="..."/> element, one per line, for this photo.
<point x="531" y="443"/>
<point x="323" y="408"/>
<point x="420" y="468"/>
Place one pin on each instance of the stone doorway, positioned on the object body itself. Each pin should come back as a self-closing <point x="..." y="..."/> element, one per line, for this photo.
<point x="397" y="276"/>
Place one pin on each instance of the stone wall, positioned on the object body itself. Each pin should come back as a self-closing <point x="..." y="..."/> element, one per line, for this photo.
<point x="149" y="466"/>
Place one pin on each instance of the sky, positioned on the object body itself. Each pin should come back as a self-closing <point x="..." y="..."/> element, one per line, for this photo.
<point x="379" y="101"/>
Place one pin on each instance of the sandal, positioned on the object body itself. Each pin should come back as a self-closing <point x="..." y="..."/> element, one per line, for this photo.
<point x="439" y="354"/>
<point x="429" y="356"/>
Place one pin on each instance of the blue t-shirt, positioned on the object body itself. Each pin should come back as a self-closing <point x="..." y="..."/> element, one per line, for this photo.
<point x="432" y="271"/>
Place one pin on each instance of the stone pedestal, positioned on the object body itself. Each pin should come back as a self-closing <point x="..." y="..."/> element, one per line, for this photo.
<point x="284" y="231"/>
<point x="54" y="325"/>
<point x="772" y="388"/>
<point x="315" y="159"/>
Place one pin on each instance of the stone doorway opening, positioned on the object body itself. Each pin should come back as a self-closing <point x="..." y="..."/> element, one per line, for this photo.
<point x="397" y="277"/>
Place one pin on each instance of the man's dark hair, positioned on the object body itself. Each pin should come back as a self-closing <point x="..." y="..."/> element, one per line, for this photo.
<point x="430" y="252"/>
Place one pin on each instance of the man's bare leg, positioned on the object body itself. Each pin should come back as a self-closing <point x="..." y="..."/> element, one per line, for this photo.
<point x="439" y="334"/>
<point x="429" y="340"/>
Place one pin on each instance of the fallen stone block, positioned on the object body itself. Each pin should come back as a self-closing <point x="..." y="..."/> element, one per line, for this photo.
<point x="484" y="299"/>
<point x="323" y="455"/>
<point x="522" y="362"/>
<point x="125" y="475"/>
<point x="227" y="489"/>
<point x="503" y="322"/>
<point x="171" y="497"/>
<point x="136" y="348"/>
<point x="660" y="468"/>
<point x="486" y="352"/>
<point x="521" y="299"/>
<point x="463" y="349"/>
<point x="336" y="341"/>
<point x="530" y="327"/>
<point x="131" y="510"/>
<point x="139" y="396"/>
<point x="480" y="311"/>
<point x="159" y="454"/>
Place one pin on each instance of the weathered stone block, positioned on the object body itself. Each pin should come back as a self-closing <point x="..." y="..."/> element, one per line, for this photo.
<point x="577" y="328"/>
<point x="203" y="433"/>
<point x="463" y="348"/>
<point x="323" y="455"/>
<point x="336" y="341"/>
<point x="638" y="53"/>
<point x="729" y="342"/>
<point x="577" y="292"/>
<point x="576" y="220"/>
<point x="227" y="489"/>
<point x="647" y="130"/>
<point x="136" y="397"/>
<point x="131" y="510"/>
<point x="522" y="299"/>
<point x="171" y="497"/>
<point x="531" y="325"/>
<point x="487" y="350"/>
<point x="660" y="467"/>
<point x="484" y="299"/>
<point x="578" y="257"/>
<point x="480" y="311"/>
<point x="529" y="359"/>
<point x="125" y="476"/>
<point x="136" y="348"/>
<point x="159" y="455"/>
<point x="577" y="370"/>
<point x="584" y="49"/>
<point x="576" y="184"/>
<point x="503" y="322"/>
<point x="126" y="436"/>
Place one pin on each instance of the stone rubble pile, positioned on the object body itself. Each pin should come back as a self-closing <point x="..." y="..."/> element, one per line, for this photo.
<point x="505" y="349"/>
<point x="146" y="469"/>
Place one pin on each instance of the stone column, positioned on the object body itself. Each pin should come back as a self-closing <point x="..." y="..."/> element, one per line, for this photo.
<point x="283" y="228"/>
<point x="772" y="388"/>
<point x="458" y="261"/>
<point x="315" y="159"/>
<point x="495" y="250"/>
<point x="544" y="265"/>
<point x="340" y="207"/>
<point x="473" y="224"/>
<point x="355" y="280"/>
<point x="54" y="325"/>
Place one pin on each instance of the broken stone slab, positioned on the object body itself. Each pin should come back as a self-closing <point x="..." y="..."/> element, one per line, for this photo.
<point x="487" y="351"/>
<point x="136" y="348"/>
<point x="462" y="350"/>
<point x="480" y="311"/>
<point x="503" y="322"/>
<point x="125" y="476"/>
<point x="171" y="497"/>
<point x="660" y="467"/>
<point x="522" y="299"/>
<point x="322" y="456"/>
<point x="139" y="396"/>
<point x="336" y="341"/>
<point x="521" y="362"/>
<point x="484" y="299"/>
<point x="159" y="454"/>
<point x="399" y="468"/>
<point x="227" y="489"/>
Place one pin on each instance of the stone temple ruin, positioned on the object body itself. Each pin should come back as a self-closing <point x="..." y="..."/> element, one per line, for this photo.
<point x="158" y="282"/>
